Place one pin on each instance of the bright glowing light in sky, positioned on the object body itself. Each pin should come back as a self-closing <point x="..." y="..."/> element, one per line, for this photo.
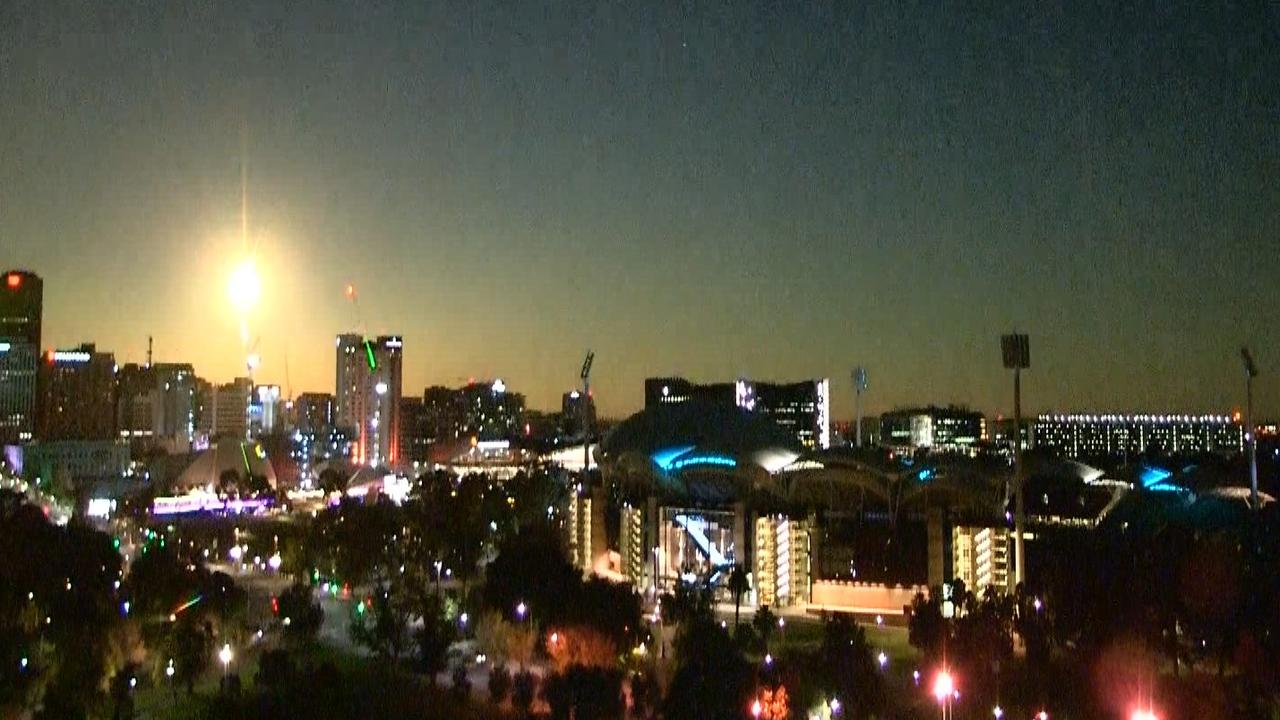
<point x="245" y="286"/>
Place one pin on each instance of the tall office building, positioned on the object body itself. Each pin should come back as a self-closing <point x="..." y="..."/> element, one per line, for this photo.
<point x="76" y="395"/>
<point x="802" y="409"/>
<point x="414" y="431"/>
<point x="1098" y="436"/>
<point x="21" y="307"/>
<point x="936" y="429"/>
<point x="230" y="413"/>
<point x="134" y="416"/>
<point x="265" y="407"/>
<point x="157" y="406"/>
<point x="173" y="406"/>
<point x="313" y="412"/>
<point x="367" y="395"/>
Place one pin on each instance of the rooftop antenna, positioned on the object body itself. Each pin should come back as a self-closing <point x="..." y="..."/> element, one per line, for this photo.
<point x="149" y="347"/>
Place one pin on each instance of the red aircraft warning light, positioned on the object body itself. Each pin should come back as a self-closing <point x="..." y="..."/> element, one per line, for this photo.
<point x="14" y="281"/>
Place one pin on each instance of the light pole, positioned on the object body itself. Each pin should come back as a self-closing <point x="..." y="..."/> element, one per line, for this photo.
<point x="859" y="386"/>
<point x="1250" y="438"/>
<point x="944" y="690"/>
<point x="586" y="412"/>
<point x="1016" y="352"/>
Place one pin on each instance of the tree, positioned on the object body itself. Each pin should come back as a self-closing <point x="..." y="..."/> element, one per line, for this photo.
<point x="926" y="628"/>
<point x="275" y="669"/>
<point x="191" y="647"/>
<point x="582" y="692"/>
<point x="711" y="679"/>
<point x="300" y="615"/>
<point x="379" y="624"/>
<point x="503" y="641"/>
<point x="582" y="647"/>
<point x="523" y="691"/>
<point x="765" y="624"/>
<point x="432" y="641"/>
<point x="738" y="586"/>
<point x="499" y="684"/>
<point x="332" y="481"/>
<point x="846" y="668"/>
<point x="461" y="683"/>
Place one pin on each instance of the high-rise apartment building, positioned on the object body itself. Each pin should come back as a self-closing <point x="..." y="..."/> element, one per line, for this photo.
<point x="21" y="308"/>
<point x="367" y="395"/>
<point x="76" y="395"/>
<point x="352" y="369"/>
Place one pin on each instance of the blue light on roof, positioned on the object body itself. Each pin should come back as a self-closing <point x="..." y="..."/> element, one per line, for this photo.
<point x="716" y="460"/>
<point x="663" y="458"/>
<point x="1149" y="476"/>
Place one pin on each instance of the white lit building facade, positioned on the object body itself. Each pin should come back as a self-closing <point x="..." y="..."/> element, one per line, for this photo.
<point x="1085" y="436"/>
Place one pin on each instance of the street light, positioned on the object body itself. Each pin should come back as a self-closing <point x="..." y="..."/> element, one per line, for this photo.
<point x="521" y="609"/>
<point x="1016" y="352"/>
<point x="1251" y="442"/>
<point x="225" y="655"/>
<point x="944" y="690"/>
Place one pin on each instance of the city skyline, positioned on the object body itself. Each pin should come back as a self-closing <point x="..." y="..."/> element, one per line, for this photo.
<point x="779" y="194"/>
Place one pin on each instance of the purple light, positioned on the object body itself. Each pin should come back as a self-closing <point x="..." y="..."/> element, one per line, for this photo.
<point x="205" y="503"/>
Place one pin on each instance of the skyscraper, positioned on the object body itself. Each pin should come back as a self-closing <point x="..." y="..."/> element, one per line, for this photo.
<point x="231" y="409"/>
<point x="76" y="395"/>
<point x="21" y="306"/>
<point x="367" y="395"/>
<point x="348" y="396"/>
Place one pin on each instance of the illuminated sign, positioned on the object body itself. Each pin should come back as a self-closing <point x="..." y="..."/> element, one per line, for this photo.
<point x="712" y="460"/>
<point x="5" y="347"/>
<point x="70" y="356"/>
<point x="395" y="343"/>
<point x="368" y="351"/>
<point x="499" y="387"/>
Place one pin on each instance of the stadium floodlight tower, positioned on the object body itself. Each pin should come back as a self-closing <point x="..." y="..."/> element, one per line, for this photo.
<point x="585" y="406"/>
<point x="859" y="386"/>
<point x="1250" y="435"/>
<point x="1016" y="350"/>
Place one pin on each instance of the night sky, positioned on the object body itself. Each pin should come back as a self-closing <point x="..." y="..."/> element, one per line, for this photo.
<point x="776" y="190"/>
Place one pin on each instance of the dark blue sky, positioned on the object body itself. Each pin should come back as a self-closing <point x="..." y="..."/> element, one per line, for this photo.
<point x="775" y="190"/>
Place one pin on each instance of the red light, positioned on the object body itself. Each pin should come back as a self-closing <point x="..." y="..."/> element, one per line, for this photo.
<point x="275" y="606"/>
<point x="14" y="280"/>
<point x="49" y="356"/>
